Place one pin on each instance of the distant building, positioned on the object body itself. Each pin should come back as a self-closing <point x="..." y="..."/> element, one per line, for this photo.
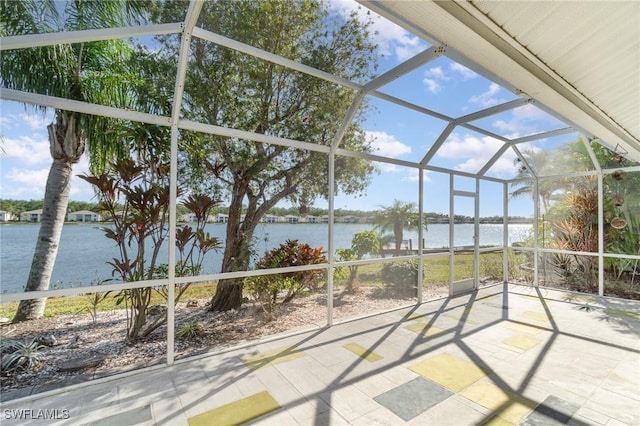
<point x="291" y="219"/>
<point x="83" y="216"/>
<point x="221" y="218"/>
<point x="270" y="218"/>
<point x="31" y="216"/>
<point x="312" y="219"/>
<point x="6" y="216"/>
<point x="189" y="217"/>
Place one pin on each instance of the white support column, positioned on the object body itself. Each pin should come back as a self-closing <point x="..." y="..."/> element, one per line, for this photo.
<point x="505" y="233"/>
<point x="420" y="233"/>
<point x="476" y="237"/>
<point x="330" y="249"/>
<point x="190" y="22"/>
<point x="451" y="224"/>
<point x="536" y="254"/>
<point x="600" y="234"/>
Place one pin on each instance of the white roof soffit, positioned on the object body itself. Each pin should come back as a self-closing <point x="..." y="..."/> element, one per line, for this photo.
<point x="578" y="60"/>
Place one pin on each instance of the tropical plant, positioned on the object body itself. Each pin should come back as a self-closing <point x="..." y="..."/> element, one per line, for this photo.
<point x="20" y="356"/>
<point x="540" y="163"/>
<point x="134" y="196"/>
<point x="291" y="253"/>
<point x="95" y="72"/>
<point x="190" y="330"/>
<point x="397" y="218"/>
<point x="578" y="232"/>
<point x="363" y="243"/>
<point x="226" y="88"/>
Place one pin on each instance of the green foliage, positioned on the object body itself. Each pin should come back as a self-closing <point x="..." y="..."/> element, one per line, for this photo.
<point x="190" y="330"/>
<point x="19" y="356"/>
<point x="291" y="253"/>
<point x="362" y="243"/>
<point x="397" y="218"/>
<point x="264" y="290"/>
<point x="227" y="88"/>
<point x="134" y="196"/>
<point x="403" y="276"/>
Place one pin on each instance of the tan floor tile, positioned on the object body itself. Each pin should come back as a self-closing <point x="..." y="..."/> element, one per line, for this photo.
<point x="509" y="406"/>
<point x="519" y="343"/>
<point x="449" y="371"/>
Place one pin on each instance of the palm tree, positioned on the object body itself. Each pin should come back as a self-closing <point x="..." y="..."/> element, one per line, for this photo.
<point x="541" y="162"/>
<point x="94" y="72"/>
<point x="396" y="218"/>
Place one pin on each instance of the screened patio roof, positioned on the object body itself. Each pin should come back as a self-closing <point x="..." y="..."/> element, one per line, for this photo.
<point x="579" y="60"/>
<point x="562" y="58"/>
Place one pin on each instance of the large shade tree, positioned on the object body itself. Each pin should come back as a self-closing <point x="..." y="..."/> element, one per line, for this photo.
<point x="96" y="72"/>
<point x="230" y="89"/>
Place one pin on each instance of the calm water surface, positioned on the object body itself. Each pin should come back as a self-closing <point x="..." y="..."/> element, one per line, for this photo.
<point x="84" y="250"/>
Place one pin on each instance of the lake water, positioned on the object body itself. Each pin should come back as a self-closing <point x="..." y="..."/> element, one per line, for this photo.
<point x="84" y="250"/>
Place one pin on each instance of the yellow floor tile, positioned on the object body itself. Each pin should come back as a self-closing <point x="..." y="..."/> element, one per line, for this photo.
<point x="237" y="412"/>
<point x="363" y="352"/>
<point x="522" y="328"/>
<point x="424" y="329"/>
<point x="272" y="357"/>
<point x="509" y="406"/>
<point x="519" y="343"/>
<point x="498" y="421"/>
<point x="449" y="371"/>
<point x="536" y="316"/>
<point x="622" y="313"/>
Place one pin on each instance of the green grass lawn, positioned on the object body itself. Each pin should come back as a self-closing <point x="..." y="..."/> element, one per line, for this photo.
<point x="436" y="273"/>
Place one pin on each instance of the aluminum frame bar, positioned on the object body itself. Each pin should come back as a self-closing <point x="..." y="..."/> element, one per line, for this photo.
<point x="271" y="57"/>
<point x="406" y="67"/>
<point x="83" y="36"/>
<point x="190" y="21"/>
<point x="83" y="107"/>
<point x="438" y="143"/>
<point x="543" y="135"/>
<point x="516" y="103"/>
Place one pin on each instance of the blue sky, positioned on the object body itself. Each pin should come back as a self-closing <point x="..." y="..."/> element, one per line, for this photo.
<point x="441" y="85"/>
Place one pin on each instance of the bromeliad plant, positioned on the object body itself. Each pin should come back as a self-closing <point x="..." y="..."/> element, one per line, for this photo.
<point x="134" y="196"/>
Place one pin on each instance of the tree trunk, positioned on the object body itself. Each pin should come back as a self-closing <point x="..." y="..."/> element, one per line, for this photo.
<point x="237" y="251"/>
<point x="66" y="146"/>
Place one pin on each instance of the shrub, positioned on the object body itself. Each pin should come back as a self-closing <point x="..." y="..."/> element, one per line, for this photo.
<point x="264" y="290"/>
<point x="402" y="275"/>
<point x="20" y="356"/>
<point x="291" y="253"/>
<point x="189" y="330"/>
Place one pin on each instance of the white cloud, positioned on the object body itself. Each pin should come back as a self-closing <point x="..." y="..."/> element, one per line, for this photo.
<point x="386" y="145"/>
<point x="526" y="120"/>
<point x="391" y="38"/>
<point x="463" y="71"/>
<point x="488" y="99"/>
<point x="474" y="153"/>
<point x="433" y="77"/>
<point x="24" y="183"/>
<point x="36" y="122"/>
<point x="437" y="73"/>
<point x="432" y="85"/>
<point x="27" y="150"/>
<point x="413" y="175"/>
<point x="29" y="178"/>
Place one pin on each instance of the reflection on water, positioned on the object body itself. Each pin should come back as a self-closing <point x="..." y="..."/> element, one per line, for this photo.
<point x="84" y="250"/>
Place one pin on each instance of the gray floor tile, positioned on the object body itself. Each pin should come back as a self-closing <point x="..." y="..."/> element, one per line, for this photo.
<point x="413" y="398"/>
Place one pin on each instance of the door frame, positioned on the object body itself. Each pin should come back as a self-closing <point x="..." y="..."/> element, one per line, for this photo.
<point x="476" y="240"/>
